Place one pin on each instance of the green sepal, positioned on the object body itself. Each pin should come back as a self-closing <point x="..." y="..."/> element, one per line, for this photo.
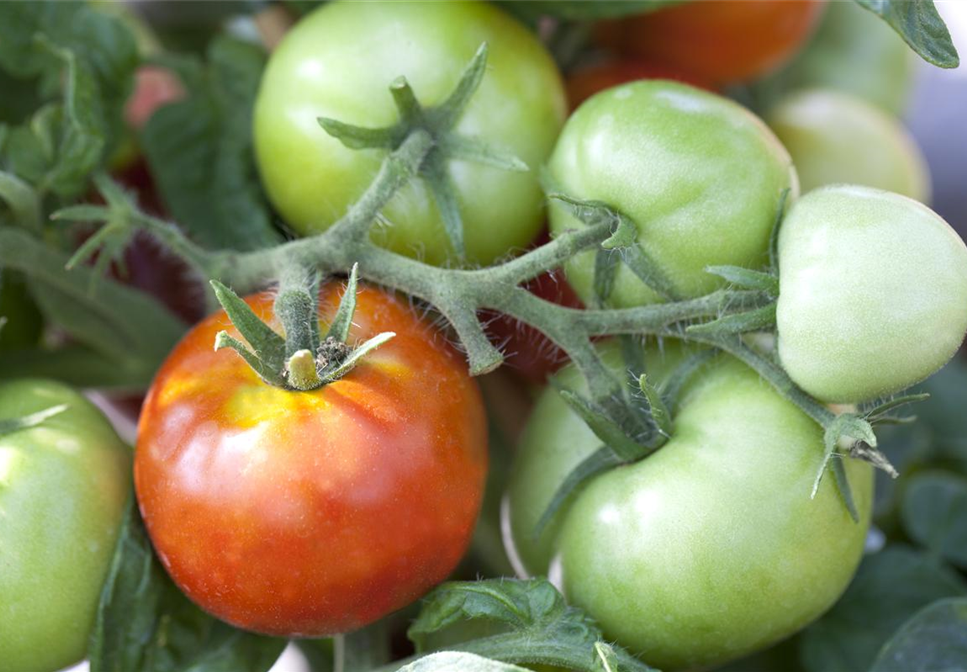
<point x="656" y="406"/>
<point x="606" y="429"/>
<point x="461" y="148"/>
<point x="435" y="174"/>
<point x="881" y="413"/>
<point x="448" y="113"/>
<point x="747" y="278"/>
<point x="359" y="137"/>
<point x="843" y="487"/>
<point x="601" y="460"/>
<point x="759" y="319"/>
<point x="605" y="272"/>
<point x="268" y="346"/>
<point x="354" y="357"/>
<point x="343" y="320"/>
<point x="271" y="376"/>
<point x="11" y="425"/>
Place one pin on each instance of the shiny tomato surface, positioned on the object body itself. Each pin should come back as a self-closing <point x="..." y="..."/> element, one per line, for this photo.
<point x="720" y="40"/>
<point x="312" y="513"/>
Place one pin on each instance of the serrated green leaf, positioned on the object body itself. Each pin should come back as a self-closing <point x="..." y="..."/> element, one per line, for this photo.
<point x="145" y="624"/>
<point x="200" y="153"/>
<point x="920" y="26"/>
<point x="123" y="324"/>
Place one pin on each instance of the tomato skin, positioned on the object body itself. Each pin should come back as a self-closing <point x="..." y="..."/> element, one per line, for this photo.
<point x="872" y="293"/>
<point x="304" y="514"/>
<point x="701" y="177"/>
<point x="711" y="547"/>
<point x="836" y="138"/>
<point x="586" y="82"/>
<point x="721" y="41"/>
<point x="63" y="489"/>
<point x="339" y="61"/>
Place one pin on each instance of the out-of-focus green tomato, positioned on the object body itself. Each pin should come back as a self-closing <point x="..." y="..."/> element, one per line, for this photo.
<point x="839" y="138"/>
<point x="63" y="487"/>
<point x="853" y="51"/>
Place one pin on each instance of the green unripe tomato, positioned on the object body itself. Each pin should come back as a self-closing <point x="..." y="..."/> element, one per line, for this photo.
<point x="872" y="293"/>
<point x="701" y="177"/>
<point x="339" y="61"/>
<point x="710" y="548"/>
<point x="838" y="138"/>
<point x="63" y="488"/>
<point x="856" y="52"/>
<point x="553" y="443"/>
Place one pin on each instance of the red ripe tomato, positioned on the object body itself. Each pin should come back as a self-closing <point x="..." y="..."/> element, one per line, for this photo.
<point x="527" y="350"/>
<point x="720" y="40"/>
<point x="584" y="83"/>
<point x="312" y="513"/>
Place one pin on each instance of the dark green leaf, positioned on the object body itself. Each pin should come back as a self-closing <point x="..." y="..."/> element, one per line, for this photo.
<point x="200" y="152"/>
<point x="122" y="324"/>
<point x="889" y="588"/>
<point x="79" y="366"/>
<point x="934" y="514"/>
<point x="919" y="24"/>
<point x="934" y="640"/>
<point x="145" y="624"/>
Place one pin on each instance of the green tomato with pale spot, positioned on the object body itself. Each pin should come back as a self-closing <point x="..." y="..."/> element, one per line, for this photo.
<point x="838" y="138"/>
<point x="339" y="61"/>
<point x="872" y="293"/>
<point x="63" y="488"/>
<point x="701" y="177"/>
<point x="712" y="547"/>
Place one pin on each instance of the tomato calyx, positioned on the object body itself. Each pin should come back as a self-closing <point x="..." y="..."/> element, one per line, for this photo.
<point x="303" y="359"/>
<point x="11" y="425"/>
<point x="440" y="122"/>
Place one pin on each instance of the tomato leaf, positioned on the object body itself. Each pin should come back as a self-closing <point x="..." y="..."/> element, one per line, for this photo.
<point x="448" y="661"/>
<point x="934" y="514"/>
<point x="920" y="26"/>
<point x="534" y="625"/>
<point x="81" y="62"/>
<point x="145" y="624"/>
<point x="21" y="199"/>
<point x="123" y="325"/>
<point x="200" y="151"/>
<point x="933" y="639"/>
<point x="889" y="588"/>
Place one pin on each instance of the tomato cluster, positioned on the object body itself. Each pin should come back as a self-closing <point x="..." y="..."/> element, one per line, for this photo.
<point x="310" y="509"/>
